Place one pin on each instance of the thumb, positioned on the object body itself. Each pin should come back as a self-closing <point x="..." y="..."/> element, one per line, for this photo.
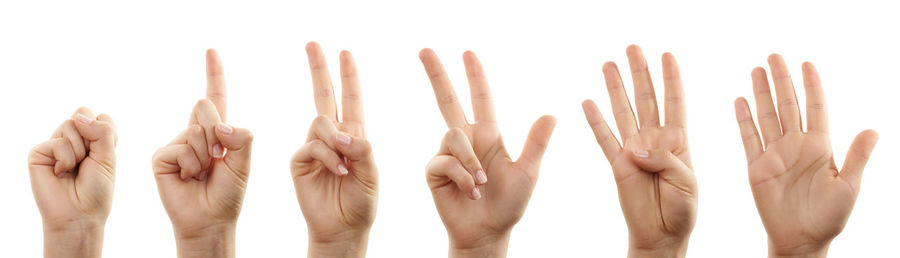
<point x="238" y="142"/>
<point x="101" y="135"/>
<point x="664" y="163"/>
<point x="538" y="138"/>
<point x="857" y="156"/>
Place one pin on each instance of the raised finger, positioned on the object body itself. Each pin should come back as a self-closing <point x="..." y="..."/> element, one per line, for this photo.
<point x="644" y="94"/>
<point x="448" y="103"/>
<point x="322" y="88"/>
<point x="215" y="82"/>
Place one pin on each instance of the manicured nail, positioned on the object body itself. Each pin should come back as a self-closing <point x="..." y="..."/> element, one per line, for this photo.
<point x="642" y="154"/>
<point x="342" y="138"/>
<point x="342" y="169"/>
<point x="480" y="177"/>
<point x="218" y="151"/>
<point x="83" y="119"/>
<point x="476" y="194"/>
<point x="224" y="128"/>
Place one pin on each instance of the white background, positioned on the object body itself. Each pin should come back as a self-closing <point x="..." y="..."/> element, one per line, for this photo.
<point x="143" y="64"/>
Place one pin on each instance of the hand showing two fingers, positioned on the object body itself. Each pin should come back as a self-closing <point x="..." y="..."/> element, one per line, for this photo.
<point x="479" y="191"/>
<point x="202" y="174"/>
<point x="334" y="173"/>
<point x="803" y="199"/>
<point x="657" y="187"/>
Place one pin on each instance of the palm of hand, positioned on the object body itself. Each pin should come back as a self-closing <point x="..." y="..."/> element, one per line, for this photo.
<point x="351" y="198"/>
<point x="656" y="208"/>
<point x="505" y="196"/>
<point x="202" y="203"/>
<point x="73" y="198"/>
<point x="799" y="196"/>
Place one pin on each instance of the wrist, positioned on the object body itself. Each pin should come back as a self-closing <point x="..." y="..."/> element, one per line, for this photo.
<point x="805" y="250"/>
<point x="494" y="245"/>
<point x="351" y="243"/>
<point x="81" y="238"/>
<point x="209" y="241"/>
<point x="673" y="249"/>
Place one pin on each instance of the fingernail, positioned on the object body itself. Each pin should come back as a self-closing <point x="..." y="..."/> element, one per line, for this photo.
<point x="342" y="138"/>
<point x="83" y="119"/>
<point x="218" y="151"/>
<point x="480" y="177"/>
<point x="224" y="129"/>
<point x="342" y="169"/>
<point x="476" y="194"/>
<point x="642" y="154"/>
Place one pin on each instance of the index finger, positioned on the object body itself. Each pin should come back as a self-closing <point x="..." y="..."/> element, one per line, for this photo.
<point x="443" y="90"/>
<point x="323" y="90"/>
<point x="215" y="81"/>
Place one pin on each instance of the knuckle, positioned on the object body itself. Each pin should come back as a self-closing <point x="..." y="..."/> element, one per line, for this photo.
<point x="768" y="115"/>
<point x="788" y="102"/>
<point x="324" y="92"/>
<point x="195" y="130"/>
<point x="448" y="99"/>
<point x="352" y="96"/>
<point x="675" y="99"/>
<point x="816" y="106"/>
<point x="481" y="96"/>
<point x="646" y="95"/>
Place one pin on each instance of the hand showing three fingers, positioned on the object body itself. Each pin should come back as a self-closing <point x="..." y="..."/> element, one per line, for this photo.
<point x="334" y="173"/>
<point x="657" y="187"/>
<point x="202" y="174"/>
<point x="72" y="177"/>
<point x="479" y="191"/>
<point x="802" y="198"/>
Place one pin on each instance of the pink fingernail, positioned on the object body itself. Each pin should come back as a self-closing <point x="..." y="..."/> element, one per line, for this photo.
<point x="642" y="154"/>
<point x="342" y="138"/>
<point x="342" y="169"/>
<point x="83" y="119"/>
<point x="476" y="194"/>
<point x="224" y="128"/>
<point x="480" y="177"/>
<point x="218" y="151"/>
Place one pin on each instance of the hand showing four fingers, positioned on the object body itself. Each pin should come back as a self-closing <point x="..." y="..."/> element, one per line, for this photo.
<point x="657" y="187"/>
<point x="803" y="199"/>
<point x="202" y="174"/>
<point x="479" y="191"/>
<point x="334" y="172"/>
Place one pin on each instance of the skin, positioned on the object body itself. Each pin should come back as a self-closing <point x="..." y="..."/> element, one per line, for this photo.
<point x="202" y="174"/>
<point x="653" y="172"/>
<point x="803" y="199"/>
<point x="72" y="178"/>
<point x="334" y="172"/>
<point x="479" y="191"/>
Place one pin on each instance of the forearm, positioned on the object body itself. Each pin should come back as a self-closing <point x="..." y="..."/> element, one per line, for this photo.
<point x="77" y="239"/>
<point x="492" y="246"/>
<point x="214" y="241"/>
<point x="347" y="244"/>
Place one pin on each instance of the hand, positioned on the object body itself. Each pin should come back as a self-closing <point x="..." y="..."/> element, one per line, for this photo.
<point x="479" y="214"/>
<point x="802" y="199"/>
<point x="657" y="187"/>
<point x="202" y="174"/>
<point x="72" y="177"/>
<point x="334" y="172"/>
